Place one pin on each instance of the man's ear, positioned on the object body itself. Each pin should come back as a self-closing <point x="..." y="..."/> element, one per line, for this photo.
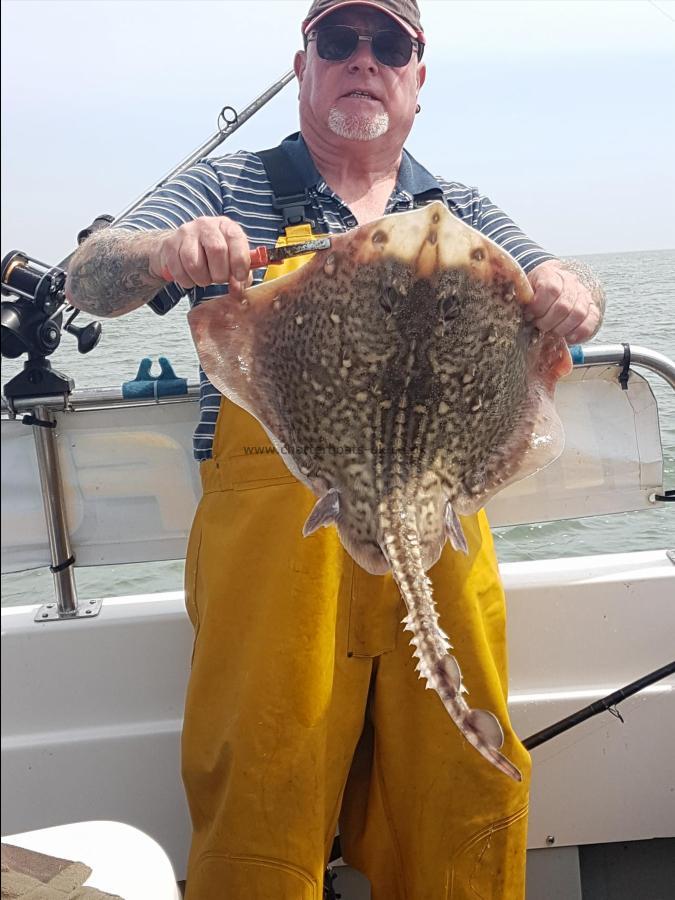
<point x="421" y="75"/>
<point x="299" y="63"/>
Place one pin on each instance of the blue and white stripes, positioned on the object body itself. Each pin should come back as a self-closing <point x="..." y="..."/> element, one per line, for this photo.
<point x="236" y="186"/>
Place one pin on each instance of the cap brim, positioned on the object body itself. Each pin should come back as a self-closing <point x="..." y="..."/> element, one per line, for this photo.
<point x="312" y="23"/>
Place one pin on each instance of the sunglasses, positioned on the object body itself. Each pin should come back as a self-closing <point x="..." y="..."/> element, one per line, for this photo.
<point x="337" y="43"/>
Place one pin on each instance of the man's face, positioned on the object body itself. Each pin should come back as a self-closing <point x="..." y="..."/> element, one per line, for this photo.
<point x="358" y="99"/>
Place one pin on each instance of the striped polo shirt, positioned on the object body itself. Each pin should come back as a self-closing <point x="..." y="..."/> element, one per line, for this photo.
<point x="237" y="186"/>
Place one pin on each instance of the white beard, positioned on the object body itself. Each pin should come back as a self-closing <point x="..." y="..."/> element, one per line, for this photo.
<point x="358" y="128"/>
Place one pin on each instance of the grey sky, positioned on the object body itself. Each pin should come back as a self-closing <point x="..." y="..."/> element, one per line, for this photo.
<point x="562" y="112"/>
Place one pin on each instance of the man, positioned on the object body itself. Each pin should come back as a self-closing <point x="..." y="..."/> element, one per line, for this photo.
<point x="303" y="707"/>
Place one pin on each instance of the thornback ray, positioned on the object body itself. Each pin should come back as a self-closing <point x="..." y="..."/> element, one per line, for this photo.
<point x="400" y="381"/>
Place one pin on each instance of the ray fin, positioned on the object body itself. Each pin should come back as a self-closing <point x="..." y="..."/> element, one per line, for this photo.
<point x="224" y="333"/>
<point x="487" y="726"/>
<point x="449" y="667"/>
<point x="454" y="530"/>
<point x="532" y="447"/>
<point x="325" y="512"/>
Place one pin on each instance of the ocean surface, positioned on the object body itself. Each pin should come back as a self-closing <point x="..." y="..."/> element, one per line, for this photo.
<point x="640" y="291"/>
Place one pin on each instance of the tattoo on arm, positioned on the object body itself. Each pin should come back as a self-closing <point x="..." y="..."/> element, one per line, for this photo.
<point x="590" y="281"/>
<point x="109" y="275"/>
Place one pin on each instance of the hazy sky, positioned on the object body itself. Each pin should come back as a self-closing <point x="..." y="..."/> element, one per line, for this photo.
<point x="562" y="112"/>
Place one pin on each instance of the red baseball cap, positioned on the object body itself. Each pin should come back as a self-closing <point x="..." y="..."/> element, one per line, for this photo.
<point x="404" y="12"/>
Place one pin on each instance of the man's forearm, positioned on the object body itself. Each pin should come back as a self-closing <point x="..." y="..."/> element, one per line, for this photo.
<point x="109" y="274"/>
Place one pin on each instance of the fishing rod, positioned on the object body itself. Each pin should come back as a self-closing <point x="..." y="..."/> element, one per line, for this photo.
<point x="229" y="120"/>
<point x="32" y="321"/>
<point x="605" y="704"/>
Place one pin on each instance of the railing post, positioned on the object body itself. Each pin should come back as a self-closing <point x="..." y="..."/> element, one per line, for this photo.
<point x="62" y="567"/>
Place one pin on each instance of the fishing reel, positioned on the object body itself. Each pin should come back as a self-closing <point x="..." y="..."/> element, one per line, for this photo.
<point x="32" y="322"/>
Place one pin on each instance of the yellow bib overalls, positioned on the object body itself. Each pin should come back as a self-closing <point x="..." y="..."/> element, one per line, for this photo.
<point x="304" y="706"/>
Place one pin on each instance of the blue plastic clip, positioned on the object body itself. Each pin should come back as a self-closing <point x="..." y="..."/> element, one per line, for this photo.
<point x="577" y="354"/>
<point x="146" y="385"/>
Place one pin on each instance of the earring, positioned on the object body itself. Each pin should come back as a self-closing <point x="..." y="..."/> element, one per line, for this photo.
<point x="418" y="108"/>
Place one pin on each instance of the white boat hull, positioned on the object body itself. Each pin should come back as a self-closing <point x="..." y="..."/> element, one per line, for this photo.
<point x="92" y="709"/>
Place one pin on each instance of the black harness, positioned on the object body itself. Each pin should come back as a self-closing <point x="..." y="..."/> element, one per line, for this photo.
<point x="291" y="195"/>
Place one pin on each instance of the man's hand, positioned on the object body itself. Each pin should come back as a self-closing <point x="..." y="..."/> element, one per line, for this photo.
<point x="208" y="250"/>
<point x="568" y="300"/>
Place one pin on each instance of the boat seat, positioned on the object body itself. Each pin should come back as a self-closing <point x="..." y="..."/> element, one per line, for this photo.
<point x="123" y="860"/>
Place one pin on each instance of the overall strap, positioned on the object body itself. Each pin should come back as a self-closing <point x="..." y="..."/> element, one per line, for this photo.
<point x="290" y="195"/>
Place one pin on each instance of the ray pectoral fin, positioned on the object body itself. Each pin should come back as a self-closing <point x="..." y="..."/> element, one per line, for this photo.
<point x="224" y="335"/>
<point x="554" y="360"/>
<point x="325" y="512"/>
<point x="546" y="439"/>
<point x="537" y="437"/>
<point x="454" y="530"/>
<point x="225" y="331"/>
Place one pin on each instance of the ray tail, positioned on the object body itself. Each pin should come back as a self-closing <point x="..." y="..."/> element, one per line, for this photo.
<point x="401" y="546"/>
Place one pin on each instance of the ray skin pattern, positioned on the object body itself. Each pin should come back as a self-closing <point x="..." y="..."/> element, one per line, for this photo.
<point x="397" y="377"/>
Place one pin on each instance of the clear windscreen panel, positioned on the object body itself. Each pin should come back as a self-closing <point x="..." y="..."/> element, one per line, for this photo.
<point x="131" y="484"/>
